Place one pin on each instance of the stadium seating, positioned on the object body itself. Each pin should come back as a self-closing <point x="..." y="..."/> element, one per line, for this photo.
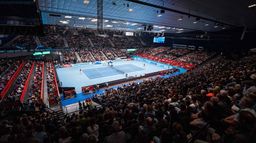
<point x="52" y="86"/>
<point x="202" y="103"/>
<point x="213" y="102"/>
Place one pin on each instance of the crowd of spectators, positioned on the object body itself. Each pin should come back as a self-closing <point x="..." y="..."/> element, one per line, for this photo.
<point x="69" y="56"/>
<point x="196" y="57"/>
<point x="8" y="68"/>
<point x="86" y="55"/>
<point x="13" y="98"/>
<point x="110" y="54"/>
<point x="152" y="51"/>
<point x="35" y="93"/>
<point x="78" y="38"/>
<point x="179" y="51"/>
<point x="24" y="42"/>
<point x="26" y="92"/>
<point x="213" y="103"/>
<point x="52" y="87"/>
<point x="98" y="54"/>
<point x="53" y="37"/>
<point x="179" y="57"/>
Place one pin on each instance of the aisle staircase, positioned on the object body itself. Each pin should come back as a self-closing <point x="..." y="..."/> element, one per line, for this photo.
<point x="38" y="43"/>
<point x="142" y="42"/>
<point x="104" y="55"/>
<point x="11" y="41"/>
<point x="65" y="43"/>
<point x="111" y="43"/>
<point x="92" y="56"/>
<point x="78" y="57"/>
<point x="91" y="43"/>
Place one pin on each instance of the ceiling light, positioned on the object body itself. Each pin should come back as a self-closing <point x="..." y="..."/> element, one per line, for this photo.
<point x="173" y="28"/>
<point x="127" y="23"/>
<point x="206" y="24"/>
<point x="81" y="18"/>
<point x="223" y="27"/>
<point x="109" y="25"/>
<point x="63" y="22"/>
<point x="114" y="21"/>
<point x="168" y="27"/>
<point x="251" y="6"/>
<point x="67" y="16"/>
<point x="106" y="20"/>
<point x="94" y="20"/>
<point x="159" y="15"/>
<point x="133" y="24"/>
<point x="86" y="1"/>
<point x="161" y="27"/>
<point x="180" y="18"/>
<point x="195" y="22"/>
<point x="181" y="29"/>
<point x="130" y="9"/>
<point x="216" y="26"/>
<point x="139" y="28"/>
<point x="155" y="26"/>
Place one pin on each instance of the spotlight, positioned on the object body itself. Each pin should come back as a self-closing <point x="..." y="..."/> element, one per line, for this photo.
<point x="130" y="9"/>
<point x="251" y="6"/>
<point x="181" y="18"/>
<point x="86" y="2"/>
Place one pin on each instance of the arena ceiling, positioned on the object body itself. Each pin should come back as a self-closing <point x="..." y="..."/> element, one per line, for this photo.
<point x="164" y="15"/>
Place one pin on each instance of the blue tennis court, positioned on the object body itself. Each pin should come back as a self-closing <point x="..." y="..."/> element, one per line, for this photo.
<point x="128" y="68"/>
<point x="85" y="74"/>
<point x="110" y="71"/>
<point x="100" y="73"/>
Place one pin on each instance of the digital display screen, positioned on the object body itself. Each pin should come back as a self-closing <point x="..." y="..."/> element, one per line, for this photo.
<point x="159" y="39"/>
<point x="131" y="50"/>
<point x="41" y="53"/>
<point x="129" y="34"/>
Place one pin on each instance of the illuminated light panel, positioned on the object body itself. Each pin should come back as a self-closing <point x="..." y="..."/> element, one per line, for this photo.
<point x="106" y="20"/>
<point x="94" y="20"/>
<point x="67" y="16"/>
<point x="206" y="24"/>
<point x="114" y="22"/>
<point x="130" y="9"/>
<point x="127" y="23"/>
<point x="159" y="15"/>
<point x="86" y="2"/>
<point x="63" y="22"/>
<point x="109" y="25"/>
<point x="81" y="18"/>
<point x="251" y="6"/>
